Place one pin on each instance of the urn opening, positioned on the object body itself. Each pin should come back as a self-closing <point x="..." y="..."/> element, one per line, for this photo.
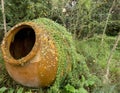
<point x="22" y="43"/>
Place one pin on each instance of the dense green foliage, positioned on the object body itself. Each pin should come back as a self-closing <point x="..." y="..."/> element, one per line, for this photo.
<point x="89" y="17"/>
<point x="84" y="20"/>
<point x="19" y="11"/>
<point x="31" y="9"/>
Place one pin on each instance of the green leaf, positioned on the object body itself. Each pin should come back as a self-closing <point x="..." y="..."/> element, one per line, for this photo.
<point x="11" y="90"/>
<point x="88" y="4"/>
<point x="83" y="78"/>
<point x="28" y="91"/>
<point x="70" y="88"/>
<point x="89" y="82"/>
<point x="20" y="90"/>
<point x="3" y="89"/>
<point x="81" y="90"/>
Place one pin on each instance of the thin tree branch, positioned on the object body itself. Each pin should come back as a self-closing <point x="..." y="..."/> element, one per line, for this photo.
<point x="106" y="23"/>
<point x="4" y="18"/>
<point x="106" y="79"/>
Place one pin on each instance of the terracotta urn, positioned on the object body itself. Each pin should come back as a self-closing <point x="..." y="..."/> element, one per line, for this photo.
<point x="36" y="51"/>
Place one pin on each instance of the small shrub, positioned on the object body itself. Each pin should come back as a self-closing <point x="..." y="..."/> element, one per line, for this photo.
<point x="113" y="28"/>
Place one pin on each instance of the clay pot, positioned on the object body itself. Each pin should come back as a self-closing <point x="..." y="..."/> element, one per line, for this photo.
<point x="31" y="53"/>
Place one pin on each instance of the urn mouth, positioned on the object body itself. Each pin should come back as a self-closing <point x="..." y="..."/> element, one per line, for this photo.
<point x="20" y="44"/>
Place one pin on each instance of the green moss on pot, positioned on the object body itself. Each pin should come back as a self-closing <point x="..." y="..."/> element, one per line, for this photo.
<point x="65" y="45"/>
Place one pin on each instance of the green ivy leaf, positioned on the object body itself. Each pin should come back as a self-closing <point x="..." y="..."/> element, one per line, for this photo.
<point x="3" y="89"/>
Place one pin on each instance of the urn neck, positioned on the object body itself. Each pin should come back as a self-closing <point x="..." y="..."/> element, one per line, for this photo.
<point x="21" y="43"/>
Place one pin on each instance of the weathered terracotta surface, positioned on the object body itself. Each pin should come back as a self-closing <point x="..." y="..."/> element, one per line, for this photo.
<point x="30" y="55"/>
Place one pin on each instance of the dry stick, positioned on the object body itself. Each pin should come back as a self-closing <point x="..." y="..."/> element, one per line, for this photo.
<point x="110" y="10"/>
<point x="106" y="80"/>
<point x="4" y="18"/>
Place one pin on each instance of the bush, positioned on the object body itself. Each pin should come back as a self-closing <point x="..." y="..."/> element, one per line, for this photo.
<point x="96" y="57"/>
<point x="113" y="28"/>
<point x="1" y="35"/>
